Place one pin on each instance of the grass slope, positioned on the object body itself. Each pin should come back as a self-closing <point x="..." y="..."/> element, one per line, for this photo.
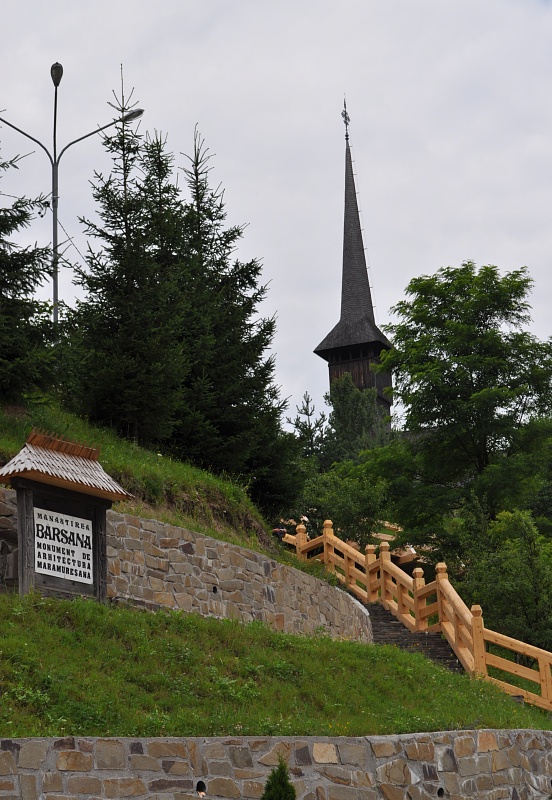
<point x="164" y="489"/>
<point x="82" y="668"/>
<point x="169" y="490"/>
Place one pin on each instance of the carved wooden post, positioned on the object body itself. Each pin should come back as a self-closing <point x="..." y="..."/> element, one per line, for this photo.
<point x="300" y="541"/>
<point x="327" y="532"/>
<point x="418" y="585"/>
<point x="545" y="680"/>
<point x="369" y="558"/>
<point x="440" y="574"/>
<point x="479" y="661"/>
<point x="346" y="568"/>
<point x="385" y="558"/>
<point x="400" y="600"/>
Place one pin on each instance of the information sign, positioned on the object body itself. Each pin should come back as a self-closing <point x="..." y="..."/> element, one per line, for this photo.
<point x="63" y="546"/>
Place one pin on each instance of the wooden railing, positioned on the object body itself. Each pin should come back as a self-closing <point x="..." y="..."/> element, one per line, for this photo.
<point x="434" y="606"/>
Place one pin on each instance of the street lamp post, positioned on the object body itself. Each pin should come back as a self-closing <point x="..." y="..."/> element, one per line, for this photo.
<point x="56" y="72"/>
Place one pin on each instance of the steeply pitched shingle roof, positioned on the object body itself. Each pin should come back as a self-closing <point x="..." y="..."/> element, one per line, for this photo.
<point x="69" y="465"/>
<point x="357" y="324"/>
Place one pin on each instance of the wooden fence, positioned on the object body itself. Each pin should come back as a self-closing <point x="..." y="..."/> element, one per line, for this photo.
<point x="434" y="606"/>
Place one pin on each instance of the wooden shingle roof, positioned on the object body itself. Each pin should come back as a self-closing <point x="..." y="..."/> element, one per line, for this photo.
<point x="357" y="324"/>
<point x="69" y="465"/>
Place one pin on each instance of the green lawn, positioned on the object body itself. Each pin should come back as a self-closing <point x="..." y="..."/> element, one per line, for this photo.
<point x="83" y="668"/>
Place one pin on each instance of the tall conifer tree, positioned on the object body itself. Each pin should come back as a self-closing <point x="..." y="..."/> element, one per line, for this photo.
<point x="231" y="415"/>
<point x="25" y="358"/>
<point x="126" y="334"/>
<point x="168" y="345"/>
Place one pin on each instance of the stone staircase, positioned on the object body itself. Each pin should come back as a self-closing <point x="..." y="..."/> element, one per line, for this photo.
<point x="388" y="630"/>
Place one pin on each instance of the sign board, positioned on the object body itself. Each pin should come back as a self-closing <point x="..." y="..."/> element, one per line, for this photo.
<point x="63" y="494"/>
<point x="63" y="546"/>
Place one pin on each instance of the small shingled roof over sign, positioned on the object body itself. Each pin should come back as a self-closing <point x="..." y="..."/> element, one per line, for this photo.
<point x="69" y="465"/>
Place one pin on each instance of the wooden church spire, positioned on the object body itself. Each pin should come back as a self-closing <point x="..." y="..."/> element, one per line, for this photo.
<point x="355" y="342"/>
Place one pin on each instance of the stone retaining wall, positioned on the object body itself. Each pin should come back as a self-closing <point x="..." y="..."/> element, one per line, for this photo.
<point x="155" y="565"/>
<point x="485" y="765"/>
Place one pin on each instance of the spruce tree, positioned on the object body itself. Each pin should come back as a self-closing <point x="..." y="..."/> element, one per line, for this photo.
<point x="25" y="330"/>
<point x="168" y="345"/>
<point x="231" y="411"/>
<point x="278" y="785"/>
<point x="125" y="337"/>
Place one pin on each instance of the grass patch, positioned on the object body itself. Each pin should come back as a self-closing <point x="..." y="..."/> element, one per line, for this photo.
<point x="165" y="489"/>
<point x="80" y="668"/>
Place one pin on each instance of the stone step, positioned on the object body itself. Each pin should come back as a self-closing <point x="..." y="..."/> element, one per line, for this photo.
<point x="387" y="629"/>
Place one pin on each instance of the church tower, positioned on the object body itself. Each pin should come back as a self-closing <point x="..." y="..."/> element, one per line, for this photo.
<point x="355" y="342"/>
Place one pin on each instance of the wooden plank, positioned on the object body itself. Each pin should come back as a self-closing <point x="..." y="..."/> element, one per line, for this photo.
<point x="510" y="666"/>
<point x="455" y="601"/>
<point x="529" y="697"/>
<point x="400" y="576"/>
<point x="462" y="653"/>
<point x="100" y="553"/>
<point x="435" y="628"/>
<point x="545" y="680"/>
<point x="429" y="589"/>
<point x="427" y="611"/>
<point x="361" y="594"/>
<point x="345" y="548"/>
<point x="465" y="638"/>
<point x="360" y="574"/>
<point x="517" y="646"/>
<point x="408" y="601"/>
<point x="25" y="523"/>
<point x="409" y="622"/>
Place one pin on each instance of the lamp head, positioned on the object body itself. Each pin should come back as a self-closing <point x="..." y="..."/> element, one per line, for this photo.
<point x="56" y="71"/>
<point x="132" y="115"/>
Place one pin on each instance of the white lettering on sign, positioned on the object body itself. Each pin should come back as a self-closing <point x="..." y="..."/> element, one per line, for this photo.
<point x="63" y="546"/>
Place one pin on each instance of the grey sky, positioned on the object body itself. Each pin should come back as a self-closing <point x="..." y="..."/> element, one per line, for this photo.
<point x="451" y="132"/>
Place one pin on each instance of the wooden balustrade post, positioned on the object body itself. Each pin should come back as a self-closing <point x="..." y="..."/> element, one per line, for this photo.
<point x="301" y="540"/>
<point x="478" y="637"/>
<point x="385" y="558"/>
<point x="369" y="558"/>
<point x="418" y="585"/>
<point x="545" y="680"/>
<point x="327" y="531"/>
<point x="347" y="569"/>
<point x="440" y="574"/>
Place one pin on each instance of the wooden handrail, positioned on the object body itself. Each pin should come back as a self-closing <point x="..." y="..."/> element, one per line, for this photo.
<point x="376" y="578"/>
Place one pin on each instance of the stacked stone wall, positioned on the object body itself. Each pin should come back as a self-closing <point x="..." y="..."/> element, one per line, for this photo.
<point x="155" y="565"/>
<point x="485" y="765"/>
<point x="158" y="565"/>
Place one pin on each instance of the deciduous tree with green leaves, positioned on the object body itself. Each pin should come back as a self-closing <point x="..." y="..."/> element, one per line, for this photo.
<point x="509" y="573"/>
<point x="476" y="388"/>
<point x="467" y="373"/>
<point x="334" y="487"/>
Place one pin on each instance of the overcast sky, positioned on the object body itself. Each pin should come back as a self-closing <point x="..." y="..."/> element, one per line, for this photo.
<point x="451" y="133"/>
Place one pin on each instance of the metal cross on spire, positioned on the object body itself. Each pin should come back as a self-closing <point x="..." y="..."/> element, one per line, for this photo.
<point x="346" y="119"/>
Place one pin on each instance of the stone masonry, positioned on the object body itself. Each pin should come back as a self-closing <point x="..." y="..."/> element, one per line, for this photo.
<point x="484" y="765"/>
<point x="155" y="565"/>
